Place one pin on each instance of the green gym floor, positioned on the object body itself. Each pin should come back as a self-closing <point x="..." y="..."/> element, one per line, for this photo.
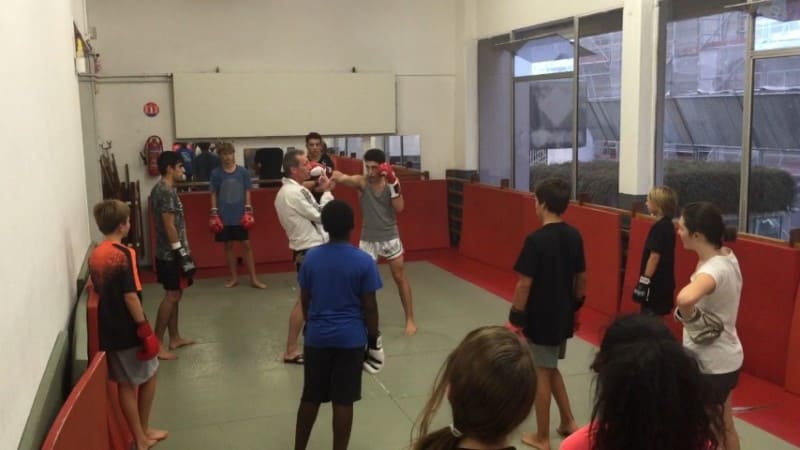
<point x="231" y="390"/>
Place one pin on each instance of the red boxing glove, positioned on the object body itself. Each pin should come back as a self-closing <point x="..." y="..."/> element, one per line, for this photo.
<point x="214" y="222"/>
<point x="248" y="220"/>
<point x="150" y="344"/>
<point x="385" y="169"/>
<point x="317" y="170"/>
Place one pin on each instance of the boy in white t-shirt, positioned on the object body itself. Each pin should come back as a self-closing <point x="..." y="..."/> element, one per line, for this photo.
<point x="709" y="304"/>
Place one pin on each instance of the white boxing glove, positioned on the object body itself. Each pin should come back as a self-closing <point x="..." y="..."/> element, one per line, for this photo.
<point x="703" y="327"/>
<point x="318" y="170"/>
<point x="374" y="357"/>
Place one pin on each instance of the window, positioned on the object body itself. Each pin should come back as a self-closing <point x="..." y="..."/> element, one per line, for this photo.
<point x="704" y="80"/>
<point x="599" y="79"/>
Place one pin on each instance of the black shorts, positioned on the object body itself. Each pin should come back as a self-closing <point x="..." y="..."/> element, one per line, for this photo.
<point x="721" y="385"/>
<point x="332" y="375"/>
<point x="169" y="275"/>
<point x="297" y="258"/>
<point x="232" y="233"/>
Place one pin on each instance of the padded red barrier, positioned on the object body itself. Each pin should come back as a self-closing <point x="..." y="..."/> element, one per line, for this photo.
<point x="770" y="275"/>
<point x="205" y="251"/>
<point x="494" y="224"/>
<point x="792" y="361"/>
<point x="81" y="422"/>
<point x="267" y="236"/>
<point x="602" y="246"/>
<point x="423" y="223"/>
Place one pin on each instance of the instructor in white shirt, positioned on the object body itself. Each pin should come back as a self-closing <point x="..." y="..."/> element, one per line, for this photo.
<point x="299" y="214"/>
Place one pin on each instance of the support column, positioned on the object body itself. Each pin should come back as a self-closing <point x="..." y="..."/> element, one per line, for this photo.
<point x="638" y="100"/>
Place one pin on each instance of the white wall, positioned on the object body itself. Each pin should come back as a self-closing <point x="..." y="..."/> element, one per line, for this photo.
<point x="501" y="16"/>
<point x="415" y="39"/>
<point x="43" y="194"/>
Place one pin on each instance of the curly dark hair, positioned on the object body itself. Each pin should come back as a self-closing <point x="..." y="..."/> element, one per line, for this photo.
<point x="650" y="392"/>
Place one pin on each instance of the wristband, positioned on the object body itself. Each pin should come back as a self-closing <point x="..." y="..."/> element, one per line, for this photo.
<point x="394" y="189"/>
<point x="175" y="245"/>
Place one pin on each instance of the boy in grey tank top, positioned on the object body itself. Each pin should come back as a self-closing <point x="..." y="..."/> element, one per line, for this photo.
<point x="381" y="200"/>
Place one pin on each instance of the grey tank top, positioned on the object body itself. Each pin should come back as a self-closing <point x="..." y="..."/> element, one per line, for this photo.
<point x="379" y="218"/>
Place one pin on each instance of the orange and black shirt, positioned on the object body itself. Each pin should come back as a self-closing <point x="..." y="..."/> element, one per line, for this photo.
<point x="114" y="273"/>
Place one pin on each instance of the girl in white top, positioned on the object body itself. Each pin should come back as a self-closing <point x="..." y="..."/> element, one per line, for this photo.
<point x="709" y="304"/>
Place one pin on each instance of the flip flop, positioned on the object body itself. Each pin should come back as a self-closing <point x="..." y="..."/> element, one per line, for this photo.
<point x="298" y="359"/>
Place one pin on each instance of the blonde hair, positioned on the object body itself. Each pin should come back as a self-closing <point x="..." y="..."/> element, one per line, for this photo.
<point x="110" y="214"/>
<point x="665" y="199"/>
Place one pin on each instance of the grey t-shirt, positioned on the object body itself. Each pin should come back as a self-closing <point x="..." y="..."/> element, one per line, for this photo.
<point x="164" y="199"/>
<point x="379" y="218"/>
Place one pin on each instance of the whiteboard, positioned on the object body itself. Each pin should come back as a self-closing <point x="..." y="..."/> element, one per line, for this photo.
<point x="235" y="105"/>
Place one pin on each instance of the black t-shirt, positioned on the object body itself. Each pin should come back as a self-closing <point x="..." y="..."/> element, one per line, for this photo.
<point x="204" y="163"/>
<point x="268" y="163"/>
<point x="114" y="273"/>
<point x="552" y="256"/>
<point x="661" y="240"/>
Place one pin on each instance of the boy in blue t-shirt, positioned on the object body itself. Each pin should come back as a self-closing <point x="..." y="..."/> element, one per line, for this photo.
<point x="338" y="283"/>
<point x="232" y="213"/>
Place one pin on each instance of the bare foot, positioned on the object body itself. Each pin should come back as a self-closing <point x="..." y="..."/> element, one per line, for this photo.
<point x="179" y="342"/>
<point x="257" y="284"/>
<point x="534" y="441"/>
<point x="166" y="355"/>
<point x="146" y="444"/>
<point x="158" y="435"/>
<point x="231" y="283"/>
<point x="411" y="328"/>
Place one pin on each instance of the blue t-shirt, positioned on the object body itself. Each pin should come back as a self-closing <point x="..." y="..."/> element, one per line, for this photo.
<point x="337" y="274"/>
<point x="230" y="189"/>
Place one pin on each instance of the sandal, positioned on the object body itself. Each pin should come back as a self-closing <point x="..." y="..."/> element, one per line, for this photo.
<point x="298" y="359"/>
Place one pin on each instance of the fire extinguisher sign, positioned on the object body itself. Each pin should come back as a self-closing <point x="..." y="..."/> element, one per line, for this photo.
<point x="151" y="109"/>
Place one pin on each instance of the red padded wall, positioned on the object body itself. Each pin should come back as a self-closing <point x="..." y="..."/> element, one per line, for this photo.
<point x="770" y="275"/>
<point x="267" y="237"/>
<point x="792" y="361"/>
<point x="602" y="246"/>
<point x="205" y="251"/>
<point x="423" y="223"/>
<point x="494" y="224"/>
<point x="81" y="422"/>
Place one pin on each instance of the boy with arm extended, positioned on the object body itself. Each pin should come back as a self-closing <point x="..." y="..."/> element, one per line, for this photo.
<point x="125" y="335"/>
<point x="381" y="201"/>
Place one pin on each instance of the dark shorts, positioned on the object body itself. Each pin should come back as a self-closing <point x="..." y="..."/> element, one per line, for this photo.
<point x="169" y="275"/>
<point x="297" y="258"/>
<point x="232" y="233"/>
<point x="721" y="385"/>
<point x="332" y="375"/>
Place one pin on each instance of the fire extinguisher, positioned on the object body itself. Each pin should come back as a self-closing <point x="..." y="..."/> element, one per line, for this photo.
<point x="153" y="147"/>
